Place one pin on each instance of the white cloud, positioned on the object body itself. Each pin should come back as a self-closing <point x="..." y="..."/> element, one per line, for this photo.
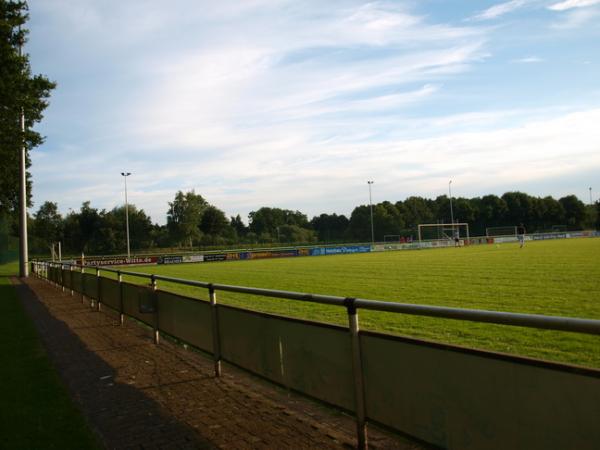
<point x="528" y="60"/>
<point x="284" y="104"/>
<point x="293" y="170"/>
<point x="499" y="10"/>
<point x="577" y="18"/>
<point x="570" y="4"/>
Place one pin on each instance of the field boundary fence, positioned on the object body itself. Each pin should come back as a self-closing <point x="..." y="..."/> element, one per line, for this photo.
<point x="317" y="250"/>
<point x="445" y="395"/>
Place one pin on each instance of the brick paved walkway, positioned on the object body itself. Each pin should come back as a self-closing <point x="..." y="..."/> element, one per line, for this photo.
<point x="136" y="394"/>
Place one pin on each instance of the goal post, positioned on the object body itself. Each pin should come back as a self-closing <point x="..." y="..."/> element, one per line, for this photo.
<point x="444" y="231"/>
<point x="501" y="231"/>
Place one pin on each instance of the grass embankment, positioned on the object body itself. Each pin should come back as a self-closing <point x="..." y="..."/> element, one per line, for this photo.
<point x="553" y="278"/>
<point x="35" y="408"/>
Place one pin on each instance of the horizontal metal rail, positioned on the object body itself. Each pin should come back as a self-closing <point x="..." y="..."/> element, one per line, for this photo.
<point x="576" y="325"/>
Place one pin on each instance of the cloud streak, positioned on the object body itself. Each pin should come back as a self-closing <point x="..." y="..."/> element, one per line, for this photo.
<point x="294" y="105"/>
<point x="499" y="10"/>
<point x="570" y="4"/>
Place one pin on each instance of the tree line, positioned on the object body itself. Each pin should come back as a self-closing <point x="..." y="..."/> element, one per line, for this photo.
<point x="193" y="223"/>
<point x="22" y="95"/>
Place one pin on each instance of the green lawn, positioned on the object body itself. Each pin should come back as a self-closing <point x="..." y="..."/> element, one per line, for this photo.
<point x="35" y="409"/>
<point x="559" y="277"/>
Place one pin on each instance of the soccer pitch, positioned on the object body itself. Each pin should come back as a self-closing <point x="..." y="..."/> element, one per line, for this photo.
<point x="559" y="277"/>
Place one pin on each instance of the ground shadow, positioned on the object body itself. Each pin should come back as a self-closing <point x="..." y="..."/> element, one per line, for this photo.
<point x="122" y="416"/>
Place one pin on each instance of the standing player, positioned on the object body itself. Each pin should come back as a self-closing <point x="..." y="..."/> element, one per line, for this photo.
<point x="521" y="234"/>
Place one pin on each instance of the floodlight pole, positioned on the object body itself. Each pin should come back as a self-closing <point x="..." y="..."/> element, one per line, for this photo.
<point x="371" y="207"/>
<point x="591" y="202"/>
<point x="23" y="249"/>
<point x="125" y="175"/>
<point x="451" y="210"/>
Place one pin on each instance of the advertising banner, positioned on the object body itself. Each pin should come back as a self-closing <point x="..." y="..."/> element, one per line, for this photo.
<point x="406" y="246"/>
<point x="170" y="260"/>
<point x="544" y="237"/>
<point x="192" y="258"/>
<point x="340" y="250"/>
<point x="119" y="261"/>
<point x="211" y="257"/>
<point x="273" y="254"/>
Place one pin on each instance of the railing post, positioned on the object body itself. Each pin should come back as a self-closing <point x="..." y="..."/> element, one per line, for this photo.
<point x="98" y="293"/>
<point x="82" y="283"/>
<point x="62" y="279"/>
<point x="155" y="304"/>
<point x="215" y="329"/>
<point x="71" y="278"/>
<point x="359" y="390"/>
<point x="121" y="313"/>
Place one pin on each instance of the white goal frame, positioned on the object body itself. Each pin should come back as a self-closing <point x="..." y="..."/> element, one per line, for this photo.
<point x="453" y="226"/>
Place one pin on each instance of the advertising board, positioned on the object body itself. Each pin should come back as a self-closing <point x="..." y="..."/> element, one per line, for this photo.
<point x="547" y="236"/>
<point x="170" y="260"/>
<point x="192" y="258"/>
<point x="273" y="254"/>
<point x="118" y="261"/>
<point x="340" y="250"/>
<point x="211" y="257"/>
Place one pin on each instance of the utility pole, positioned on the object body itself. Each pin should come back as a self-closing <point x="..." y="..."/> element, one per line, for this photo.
<point x="371" y="206"/>
<point x="23" y="249"/>
<point x="125" y="175"/>
<point x="591" y="201"/>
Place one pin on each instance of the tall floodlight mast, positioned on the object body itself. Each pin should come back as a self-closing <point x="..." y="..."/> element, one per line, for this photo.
<point x="125" y="175"/>
<point x="451" y="211"/>
<point x="23" y="249"/>
<point x="371" y="207"/>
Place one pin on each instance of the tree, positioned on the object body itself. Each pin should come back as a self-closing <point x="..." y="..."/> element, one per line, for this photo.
<point x="520" y="209"/>
<point x="415" y="211"/>
<point x="574" y="211"/>
<point x="140" y="227"/>
<point x="238" y="226"/>
<point x="47" y="225"/>
<point x="20" y="91"/>
<point x="265" y="220"/>
<point x="214" y="221"/>
<point x="387" y="220"/>
<point x="184" y="217"/>
<point x="330" y="227"/>
<point x="464" y="210"/>
<point x="552" y="213"/>
<point x="296" y="234"/>
<point x="360" y="223"/>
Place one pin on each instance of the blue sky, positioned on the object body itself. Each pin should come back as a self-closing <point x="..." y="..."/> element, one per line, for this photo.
<point x="297" y="104"/>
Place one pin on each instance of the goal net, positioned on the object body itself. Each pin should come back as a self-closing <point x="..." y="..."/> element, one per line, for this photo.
<point x="443" y="231"/>
<point x="501" y="231"/>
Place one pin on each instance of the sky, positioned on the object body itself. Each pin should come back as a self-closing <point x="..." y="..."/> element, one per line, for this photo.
<point x="297" y="104"/>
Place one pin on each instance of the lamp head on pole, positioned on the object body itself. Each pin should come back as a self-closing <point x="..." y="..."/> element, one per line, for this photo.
<point x="125" y="174"/>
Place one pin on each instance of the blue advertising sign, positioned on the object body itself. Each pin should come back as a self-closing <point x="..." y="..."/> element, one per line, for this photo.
<point x="340" y="250"/>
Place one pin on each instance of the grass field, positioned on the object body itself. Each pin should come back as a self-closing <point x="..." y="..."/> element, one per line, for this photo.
<point x="35" y="408"/>
<point x="559" y="277"/>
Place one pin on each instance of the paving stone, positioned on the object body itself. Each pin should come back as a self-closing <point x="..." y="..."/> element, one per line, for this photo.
<point x="136" y="394"/>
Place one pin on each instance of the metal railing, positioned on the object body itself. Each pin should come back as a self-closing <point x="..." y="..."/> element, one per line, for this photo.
<point x="577" y="325"/>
